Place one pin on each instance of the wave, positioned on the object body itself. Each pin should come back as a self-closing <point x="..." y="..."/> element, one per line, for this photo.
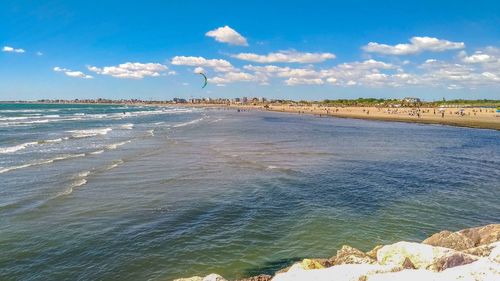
<point x="80" y="180"/>
<point x="188" y="123"/>
<point x="89" y="132"/>
<point x="28" y="110"/>
<point x="116" y="145"/>
<point x="41" y="162"/>
<point x="97" y="152"/>
<point x="129" y="126"/>
<point x="12" y="149"/>
<point x="115" y="164"/>
<point x="151" y="132"/>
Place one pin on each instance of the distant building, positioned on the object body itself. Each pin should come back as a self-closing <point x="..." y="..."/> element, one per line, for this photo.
<point x="411" y="100"/>
<point x="179" y="100"/>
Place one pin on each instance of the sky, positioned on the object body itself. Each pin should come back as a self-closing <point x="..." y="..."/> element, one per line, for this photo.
<point x="310" y="50"/>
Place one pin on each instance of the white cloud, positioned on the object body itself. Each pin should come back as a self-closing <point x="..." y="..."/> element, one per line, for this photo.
<point x="286" y="57"/>
<point x="303" y="81"/>
<point x="227" y="35"/>
<point x="416" y="45"/>
<point x="71" y="73"/>
<point x="131" y="70"/>
<point x="365" y="72"/>
<point x="9" y="49"/>
<point x="218" y="65"/>
<point x="60" y="69"/>
<point x="78" y="74"/>
<point x="199" y="69"/>
<point x="172" y="72"/>
<point x="39" y="53"/>
<point x="232" y="77"/>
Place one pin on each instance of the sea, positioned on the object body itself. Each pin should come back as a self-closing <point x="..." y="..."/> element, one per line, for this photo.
<point x="122" y="192"/>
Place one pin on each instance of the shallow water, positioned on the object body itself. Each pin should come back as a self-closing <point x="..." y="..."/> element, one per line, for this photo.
<point x="161" y="193"/>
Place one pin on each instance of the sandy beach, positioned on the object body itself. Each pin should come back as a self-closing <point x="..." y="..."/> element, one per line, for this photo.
<point x="475" y="117"/>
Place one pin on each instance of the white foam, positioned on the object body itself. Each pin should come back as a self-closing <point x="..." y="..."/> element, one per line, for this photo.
<point x="12" y="149"/>
<point x="151" y="132"/>
<point x="41" y="162"/>
<point x="116" y="145"/>
<point x="97" y="152"/>
<point x="115" y="164"/>
<point x="127" y="126"/>
<point x="89" y="132"/>
<point x="188" y="123"/>
<point x="83" y="174"/>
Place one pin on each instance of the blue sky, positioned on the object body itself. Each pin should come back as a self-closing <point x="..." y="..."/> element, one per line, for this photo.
<point x="276" y="49"/>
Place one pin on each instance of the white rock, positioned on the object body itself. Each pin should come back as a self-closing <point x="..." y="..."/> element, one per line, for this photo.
<point x="421" y="255"/>
<point x="481" y="270"/>
<point x="344" y="272"/>
<point x="495" y="252"/>
<point x="213" y="277"/>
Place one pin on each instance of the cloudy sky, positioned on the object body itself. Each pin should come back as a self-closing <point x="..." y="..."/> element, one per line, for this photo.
<point x="276" y="49"/>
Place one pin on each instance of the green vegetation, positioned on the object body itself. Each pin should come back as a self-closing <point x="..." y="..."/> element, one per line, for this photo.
<point x="390" y="102"/>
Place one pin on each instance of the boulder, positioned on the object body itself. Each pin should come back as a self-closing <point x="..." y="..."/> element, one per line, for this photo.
<point x="408" y="264"/>
<point x="311" y="264"/>
<point x="483" y="235"/>
<point x="373" y="252"/>
<point x="344" y="272"/>
<point x="261" y="277"/>
<point x="214" y="277"/>
<point x="350" y="255"/>
<point x="452" y="240"/>
<point x="420" y="255"/>
<point x="480" y="251"/>
<point x="194" y="278"/>
<point x="495" y="252"/>
<point x="452" y="260"/>
<point x="467" y="238"/>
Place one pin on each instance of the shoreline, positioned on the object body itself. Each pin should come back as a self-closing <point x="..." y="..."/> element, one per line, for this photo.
<point x="482" y="120"/>
<point x="472" y="117"/>
<point x="467" y="254"/>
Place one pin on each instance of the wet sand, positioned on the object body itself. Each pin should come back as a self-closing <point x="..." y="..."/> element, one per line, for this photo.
<point x="484" y="118"/>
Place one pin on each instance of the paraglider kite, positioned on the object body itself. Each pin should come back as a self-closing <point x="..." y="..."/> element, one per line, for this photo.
<point x="206" y="80"/>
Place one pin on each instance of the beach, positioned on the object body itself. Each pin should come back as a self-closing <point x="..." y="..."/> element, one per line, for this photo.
<point x="473" y="117"/>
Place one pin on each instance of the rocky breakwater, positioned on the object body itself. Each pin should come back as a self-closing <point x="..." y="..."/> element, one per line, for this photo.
<point x="469" y="254"/>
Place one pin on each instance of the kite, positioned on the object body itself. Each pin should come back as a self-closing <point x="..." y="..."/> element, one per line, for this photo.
<point x="206" y="80"/>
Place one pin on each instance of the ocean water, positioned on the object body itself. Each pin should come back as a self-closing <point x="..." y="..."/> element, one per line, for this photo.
<point x="109" y="192"/>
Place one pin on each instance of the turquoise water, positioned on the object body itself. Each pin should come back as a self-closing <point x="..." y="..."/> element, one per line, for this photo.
<point x="140" y="193"/>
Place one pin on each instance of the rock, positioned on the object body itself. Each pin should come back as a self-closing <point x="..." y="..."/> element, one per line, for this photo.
<point x="483" y="235"/>
<point x="311" y="264"/>
<point x="194" y="278"/>
<point x="350" y="255"/>
<point x="452" y="240"/>
<point x="480" y="251"/>
<point x="407" y="264"/>
<point x="495" y="252"/>
<point x="420" y="255"/>
<point x="373" y="252"/>
<point x="481" y="270"/>
<point x="214" y="277"/>
<point x="261" y="277"/>
<point x="452" y="260"/>
<point x="467" y="238"/>
<point x="344" y="272"/>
